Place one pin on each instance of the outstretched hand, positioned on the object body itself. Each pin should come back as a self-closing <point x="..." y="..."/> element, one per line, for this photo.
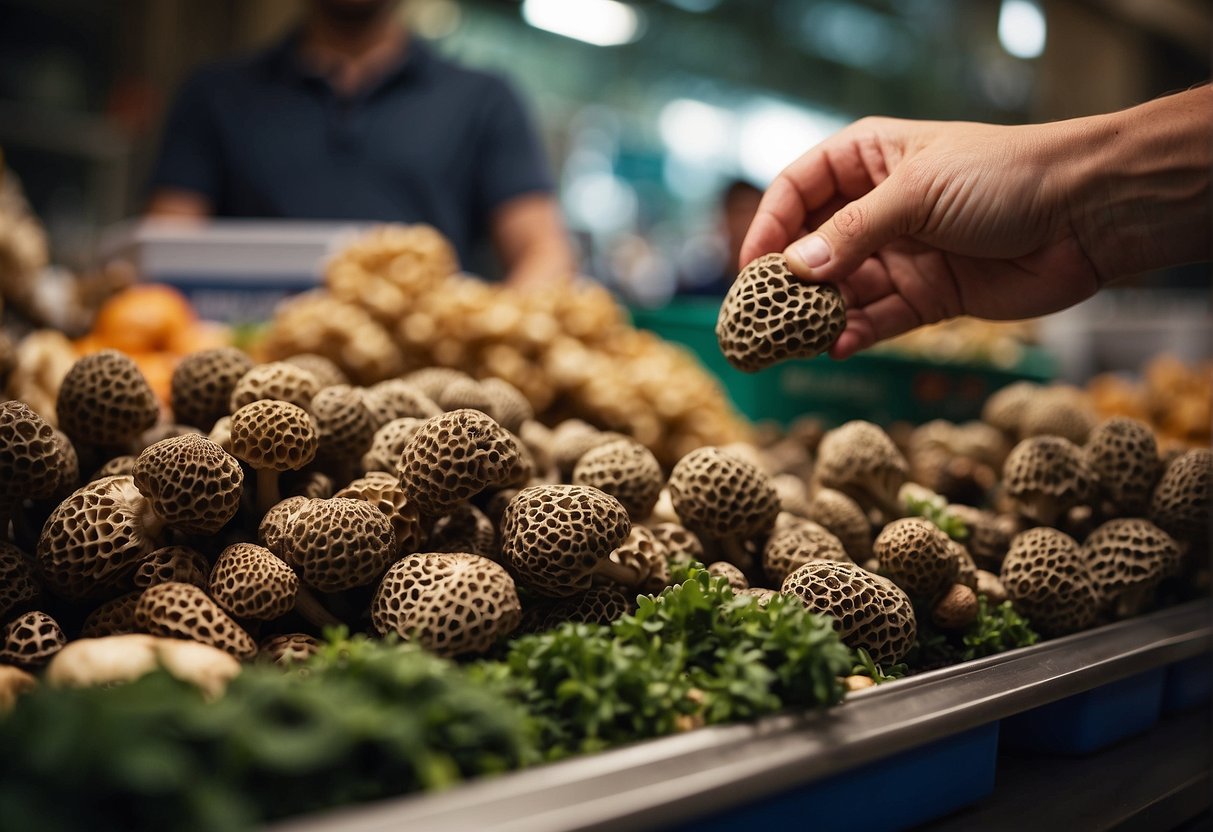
<point x="916" y="222"/>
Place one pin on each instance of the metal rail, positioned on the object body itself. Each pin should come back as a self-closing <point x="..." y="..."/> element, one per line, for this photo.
<point x="676" y="779"/>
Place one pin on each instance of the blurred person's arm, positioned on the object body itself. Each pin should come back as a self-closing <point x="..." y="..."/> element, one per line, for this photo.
<point x="919" y="221"/>
<point x="532" y="242"/>
<point x="186" y="179"/>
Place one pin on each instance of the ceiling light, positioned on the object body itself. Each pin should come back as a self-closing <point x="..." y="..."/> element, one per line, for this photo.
<point x="600" y="22"/>
<point x="1021" y="28"/>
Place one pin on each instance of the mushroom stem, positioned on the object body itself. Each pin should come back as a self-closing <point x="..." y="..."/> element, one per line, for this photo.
<point x="268" y="494"/>
<point x="309" y="606"/>
<point x="151" y="522"/>
<point x="626" y="575"/>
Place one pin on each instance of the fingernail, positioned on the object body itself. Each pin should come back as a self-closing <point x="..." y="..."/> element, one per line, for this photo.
<point x="813" y="252"/>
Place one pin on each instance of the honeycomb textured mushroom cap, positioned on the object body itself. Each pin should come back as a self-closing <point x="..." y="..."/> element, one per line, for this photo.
<point x="717" y="494"/>
<point x="113" y="618"/>
<point x="274" y="435"/>
<point x="859" y="459"/>
<point x="384" y="492"/>
<point x="221" y="433"/>
<point x="553" y="537"/>
<point x="275" y="381"/>
<point x="277" y="520"/>
<point x="184" y="611"/>
<point x="288" y="648"/>
<point x="498" y="399"/>
<point x="202" y="385"/>
<point x="344" y="425"/>
<point x="1047" y="579"/>
<point x="160" y="432"/>
<point x="966" y="567"/>
<point x="990" y="586"/>
<point x="681" y="543"/>
<point x="916" y="556"/>
<point x="572" y="438"/>
<point x="395" y="399"/>
<point x="453" y="457"/>
<point x="451" y="603"/>
<point x="18" y="583"/>
<point x="642" y="555"/>
<point x="844" y="518"/>
<point x="769" y="315"/>
<point x="601" y="604"/>
<point x="869" y="611"/>
<point x="1123" y="454"/>
<point x="626" y="470"/>
<point x="94" y="539"/>
<point x="957" y="608"/>
<point x="466" y="529"/>
<point x="795" y="544"/>
<point x="105" y="401"/>
<point x="793" y="494"/>
<point x="191" y="482"/>
<point x="1046" y="476"/>
<point x="338" y="544"/>
<point x="1005" y="408"/>
<point x="723" y="569"/>
<point x="990" y="534"/>
<point x="28" y="454"/>
<point x="1059" y="410"/>
<point x="1180" y="504"/>
<point x="172" y="563"/>
<point x="388" y="444"/>
<point x="326" y="371"/>
<point x="119" y="466"/>
<point x="31" y="640"/>
<point x="248" y="581"/>
<point x="1127" y="559"/>
<point x="66" y="465"/>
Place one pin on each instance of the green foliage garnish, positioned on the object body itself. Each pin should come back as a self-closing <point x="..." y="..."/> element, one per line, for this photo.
<point x="865" y="666"/>
<point x="363" y="720"/>
<point x="934" y="507"/>
<point x="997" y="629"/>
<point x="696" y="654"/>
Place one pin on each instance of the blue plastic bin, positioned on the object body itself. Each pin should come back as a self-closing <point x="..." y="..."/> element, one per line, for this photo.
<point x="1189" y="684"/>
<point x="898" y="792"/>
<point x="1089" y="721"/>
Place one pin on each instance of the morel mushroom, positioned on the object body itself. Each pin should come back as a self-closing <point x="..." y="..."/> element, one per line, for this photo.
<point x="956" y="609"/>
<point x="735" y="577"/>
<point x="1123" y="455"/>
<point x="916" y="556"/>
<point x="249" y="581"/>
<point x="1128" y="559"/>
<point x="795" y="542"/>
<point x="105" y="402"/>
<point x="465" y="529"/>
<point x="273" y="436"/>
<point x="327" y="373"/>
<point x="30" y="640"/>
<point x="1046" y="477"/>
<point x="722" y="497"/>
<point x="202" y="384"/>
<point x="1180" y="504"/>
<point x="556" y="537"/>
<point x="860" y="460"/>
<point x="288" y="648"/>
<point x="184" y="611"/>
<point x="190" y="482"/>
<point x="451" y="603"/>
<point x="172" y="563"/>
<point x="30" y="459"/>
<point x="336" y="544"/>
<point x="627" y="471"/>
<point x="344" y="429"/>
<point x="769" y="315"/>
<point x="18" y="585"/>
<point x="398" y="399"/>
<point x="845" y="519"/>
<point x="384" y="492"/>
<point x="276" y="381"/>
<point x="1047" y="579"/>
<point x="870" y="612"/>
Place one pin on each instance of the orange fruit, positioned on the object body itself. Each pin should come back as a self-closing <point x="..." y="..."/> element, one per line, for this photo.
<point x="143" y="318"/>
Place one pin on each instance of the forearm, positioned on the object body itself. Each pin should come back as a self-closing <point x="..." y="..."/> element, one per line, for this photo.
<point x="543" y="263"/>
<point x="1139" y="184"/>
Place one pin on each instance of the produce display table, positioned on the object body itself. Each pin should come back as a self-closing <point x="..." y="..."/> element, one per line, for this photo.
<point x="904" y="753"/>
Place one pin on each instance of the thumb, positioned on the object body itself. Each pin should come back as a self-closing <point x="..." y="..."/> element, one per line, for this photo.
<point x="853" y="234"/>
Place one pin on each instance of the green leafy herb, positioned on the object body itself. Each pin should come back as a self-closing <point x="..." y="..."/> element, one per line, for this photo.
<point x="865" y="666"/>
<point x="997" y="628"/>
<point x="923" y="503"/>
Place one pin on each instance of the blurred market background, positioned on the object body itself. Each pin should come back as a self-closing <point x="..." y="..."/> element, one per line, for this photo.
<point x="649" y="110"/>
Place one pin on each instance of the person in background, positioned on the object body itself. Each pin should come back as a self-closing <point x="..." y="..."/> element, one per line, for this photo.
<point x="919" y="221"/>
<point x="738" y="203"/>
<point x="350" y="117"/>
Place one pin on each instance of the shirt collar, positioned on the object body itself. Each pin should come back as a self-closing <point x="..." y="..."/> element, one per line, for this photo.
<point x="283" y="61"/>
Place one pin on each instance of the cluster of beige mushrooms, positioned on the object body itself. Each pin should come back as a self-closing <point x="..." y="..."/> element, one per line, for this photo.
<point x="275" y="499"/>
<point x="393" y="303"/>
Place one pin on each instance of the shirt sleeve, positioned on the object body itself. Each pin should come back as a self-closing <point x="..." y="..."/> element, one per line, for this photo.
<point x="512" y="158"/>
<point x="190" y="153"/>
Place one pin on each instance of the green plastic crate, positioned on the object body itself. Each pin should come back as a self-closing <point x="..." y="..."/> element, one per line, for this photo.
<point x="879" y="387"/>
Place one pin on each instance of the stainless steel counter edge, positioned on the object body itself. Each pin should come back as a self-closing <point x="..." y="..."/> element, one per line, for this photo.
<point x="674" y="779"/>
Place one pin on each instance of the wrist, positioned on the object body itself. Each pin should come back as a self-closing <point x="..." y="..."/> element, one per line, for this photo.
<point x="1136" y="187"/>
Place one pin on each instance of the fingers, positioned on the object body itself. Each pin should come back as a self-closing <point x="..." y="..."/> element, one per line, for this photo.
<point x="855" y="232"/>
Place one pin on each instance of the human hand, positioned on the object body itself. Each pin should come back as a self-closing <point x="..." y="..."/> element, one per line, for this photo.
<point x="916" y="222"/>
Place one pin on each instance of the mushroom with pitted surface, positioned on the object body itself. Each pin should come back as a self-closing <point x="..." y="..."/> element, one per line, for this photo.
<point x="275" y="381"/>
<point x="336" y="544"/>
<point x="191" y="482"/>
<point x="797" y="541"/>
<point x="344" y="430"/>
<point x="451" y="603"/>
<point x="398" y="399"/>
<point x="249" y="582"/>
<point x="114" y="617"/>
<point x="1180" y="504"/>
<point x="202" y="384"/>
<point x="465" y="529"/>
<point x="31" y="640"/>
<point x="31" y="459"/>
<point x="1047" y="476"/>
<point x="845" y="519"/>
<point x="272" y="437"/>
<point x="682" y="544"/>
<point x="1128" y="558"/>
<point x="176" y="610"/>
<point x="724" y="498"/>
<point x="555" y="538"/>
<point x="388" y="444"/>
<point x="18" y="582"/>
<point x="383" y="491"/>
<point x="734" y="576"/>
<point x="870" y="612"/>
<point x="769" y="315"/>
<point x="288" y="648"/>
<point x="626" y="470"/>
<point x="859" y="459"/>
<point x="105" y="402"/>
<point x="172" y="563"/>
<point x="1123" y="455"/>
<point x="327" y="373"/>
<point x="917" y="556"/>
<point x="1048" y="580"/>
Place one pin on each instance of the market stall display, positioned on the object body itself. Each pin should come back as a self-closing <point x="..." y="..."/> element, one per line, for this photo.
<point x="607" y="564"/>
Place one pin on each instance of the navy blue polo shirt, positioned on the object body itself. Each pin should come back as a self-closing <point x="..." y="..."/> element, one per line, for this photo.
<point x="431" y="141"/>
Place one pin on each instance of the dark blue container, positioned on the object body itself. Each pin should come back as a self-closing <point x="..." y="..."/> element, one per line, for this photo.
<point x="898" y="792"/>
<point x="1189" y="684"/>
<point x="1089" y="721"/>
